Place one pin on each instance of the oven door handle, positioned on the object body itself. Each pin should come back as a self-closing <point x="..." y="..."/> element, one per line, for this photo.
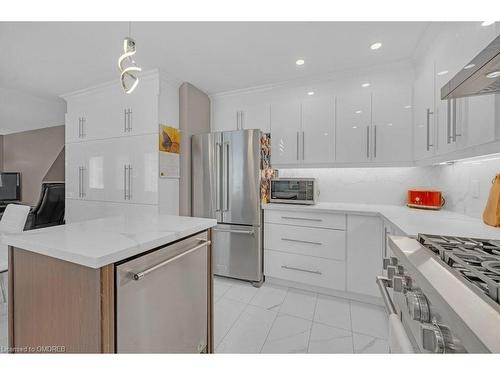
<point x="382" y="283"/>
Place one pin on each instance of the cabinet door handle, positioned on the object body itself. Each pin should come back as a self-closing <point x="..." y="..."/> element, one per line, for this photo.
<point x="303" y="146"/>
<point x="300" y="218"/>
<point x="79" y="127"/>
<point x="368" y="142"/>
<point x="125" y="168"/>
<point x="455" y="135"/>
<point x="449" y="136"/>
<point x="79" y="182"/>
<point x="130" y="119"/>
<point x="237" y="120"/>
<point x="124" y="120"/>
<point x="297" y="145"/>
<point x="242" y="120"/>
<point x="375" y="142"/>
<point x="301" y="270"/>
<point x="129" y="182"/>
<point x="301" y="241"/>
<point x="428" y="117"/>
<point x="84" y="127"/>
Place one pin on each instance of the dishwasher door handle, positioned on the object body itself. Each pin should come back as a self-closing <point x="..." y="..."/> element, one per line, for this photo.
<point x="139" y="275"/>
<point x="237" y="231"/>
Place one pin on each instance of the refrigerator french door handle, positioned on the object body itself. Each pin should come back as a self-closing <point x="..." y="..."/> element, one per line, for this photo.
<point x="218" y="150"/>
<point x="225" y="180"/>
<point x="449" y="136"/>
<point x="455" y="135"/>
<point x="375" y="141"/>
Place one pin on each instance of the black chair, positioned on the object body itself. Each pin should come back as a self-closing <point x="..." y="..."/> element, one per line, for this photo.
<point x="49" y="210"/>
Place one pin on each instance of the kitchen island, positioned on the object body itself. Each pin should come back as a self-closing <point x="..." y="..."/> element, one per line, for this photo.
<point x="139" y="283"/>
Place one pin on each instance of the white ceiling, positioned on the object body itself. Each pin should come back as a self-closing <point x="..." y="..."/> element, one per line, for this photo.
<point x="49" y="59"/>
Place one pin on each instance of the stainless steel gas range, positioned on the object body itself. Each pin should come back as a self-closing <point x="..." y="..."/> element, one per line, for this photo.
<point x="445" y="291"/>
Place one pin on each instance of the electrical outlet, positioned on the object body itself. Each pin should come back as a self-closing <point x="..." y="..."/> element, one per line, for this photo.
<point x="475" y="188"/>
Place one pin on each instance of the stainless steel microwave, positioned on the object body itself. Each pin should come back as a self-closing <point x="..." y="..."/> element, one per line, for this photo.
<point x="293" y="190"/>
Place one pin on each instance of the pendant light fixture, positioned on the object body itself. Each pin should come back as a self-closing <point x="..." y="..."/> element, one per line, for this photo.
<point x="128" y="77"/>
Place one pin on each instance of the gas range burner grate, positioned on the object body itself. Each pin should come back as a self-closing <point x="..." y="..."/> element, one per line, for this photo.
<point x="478" y="261"/>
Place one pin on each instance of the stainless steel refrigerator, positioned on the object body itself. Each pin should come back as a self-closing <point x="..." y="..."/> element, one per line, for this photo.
<point x="226" y="186"/>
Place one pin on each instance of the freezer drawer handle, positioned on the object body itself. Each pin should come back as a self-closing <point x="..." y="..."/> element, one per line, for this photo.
<point x="301" y="270"/>
<point x="382" y="283"/>
<point x="300" y="218"/>
<point x="238" y="231"/>
<point x="139" y="275"/>
<point x="301" y="241"/>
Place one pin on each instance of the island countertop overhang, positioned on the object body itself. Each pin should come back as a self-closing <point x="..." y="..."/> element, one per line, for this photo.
<point x="100" y="242"/>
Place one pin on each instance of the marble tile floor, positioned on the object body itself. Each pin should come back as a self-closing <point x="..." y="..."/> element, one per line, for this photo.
<point x="276" y="319"/>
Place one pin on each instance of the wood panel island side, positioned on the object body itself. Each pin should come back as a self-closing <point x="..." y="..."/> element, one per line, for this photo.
<point x="122" y="284"/>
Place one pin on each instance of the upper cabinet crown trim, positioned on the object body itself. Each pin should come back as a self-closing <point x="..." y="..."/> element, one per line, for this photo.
<point x="153" y="74"/>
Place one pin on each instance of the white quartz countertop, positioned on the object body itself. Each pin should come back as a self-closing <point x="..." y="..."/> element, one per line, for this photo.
<point x="410" y="221"/>
<point x="99" y="242"/>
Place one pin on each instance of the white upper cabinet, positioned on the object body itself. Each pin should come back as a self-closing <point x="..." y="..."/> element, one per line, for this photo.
<point x="392" y="124"/>
<point x="241" y="112"/>
<point x="353" y="126"/>
<point x="423" y="111"/>
<point x="317" y="132"/>
<point x="107" y="112"/>
<point x="286" y="132"/>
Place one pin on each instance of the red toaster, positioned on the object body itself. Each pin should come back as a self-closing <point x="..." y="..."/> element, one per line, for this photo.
<point x="429" y="199"/>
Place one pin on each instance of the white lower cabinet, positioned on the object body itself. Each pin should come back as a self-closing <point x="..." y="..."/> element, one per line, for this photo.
<point x="347" y="258"/>
<point x="325" y="273"/>
<point x="309" y="251"/>
<point x="364" y="253"/>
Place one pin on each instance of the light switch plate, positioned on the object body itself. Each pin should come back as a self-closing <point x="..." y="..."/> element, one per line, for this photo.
<point x="475" y="188"/>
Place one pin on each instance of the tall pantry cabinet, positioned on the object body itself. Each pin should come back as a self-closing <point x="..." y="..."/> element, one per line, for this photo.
<point x="112" y="149"/>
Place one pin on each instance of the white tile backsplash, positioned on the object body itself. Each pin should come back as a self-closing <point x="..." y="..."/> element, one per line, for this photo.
<point x="465" y="185"/>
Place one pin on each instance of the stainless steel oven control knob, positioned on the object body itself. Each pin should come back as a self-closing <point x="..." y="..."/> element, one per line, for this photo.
<point x="391" y="272"/>
<point x="437" y="338"/>
<point x="392" y="261"/>
<point x="418" y="307"/>
<point x="401" y="284"/>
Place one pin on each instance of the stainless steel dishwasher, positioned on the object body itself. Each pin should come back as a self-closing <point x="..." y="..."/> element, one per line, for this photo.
<point x="162" y="299"/>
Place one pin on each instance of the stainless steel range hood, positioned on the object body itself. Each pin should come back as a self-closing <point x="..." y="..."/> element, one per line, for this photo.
<point x="481" y="76"/>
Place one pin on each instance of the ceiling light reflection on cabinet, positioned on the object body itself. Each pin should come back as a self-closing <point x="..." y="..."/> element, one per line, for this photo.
<point x="469" y="66"/>
<point x="494" y="74"/>
<point x="487" y="23"/>
<point x="375" y="46"/>
<point x="408" y="106"/>
<point x="442" y="73"/>
<point x="310" y="93"/>
<point x="358" y="112"/>
<point x="299" y="62"/>
<point x="365" y="84"/>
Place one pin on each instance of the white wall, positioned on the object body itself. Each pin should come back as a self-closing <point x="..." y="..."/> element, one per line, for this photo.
<point x="367" y="185"/>
<point x="465" y="184"/>
<point x="21" y="112"/>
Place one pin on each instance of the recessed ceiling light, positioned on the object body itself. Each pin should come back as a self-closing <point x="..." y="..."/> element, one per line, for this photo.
<point x="299" y="62"/>
<point x="375" y="46"/>
<point x="487" y="23"/>
<point x="365" y="84"/>
<point x="494" y="74"/>
<point x="408" y="106"/>
<point x="469" y="66"/>
<point x="358" y="112"/>
<point x="310" y="93"/>
<point x="442" y="72"/>
<point x="354" y="127"/>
